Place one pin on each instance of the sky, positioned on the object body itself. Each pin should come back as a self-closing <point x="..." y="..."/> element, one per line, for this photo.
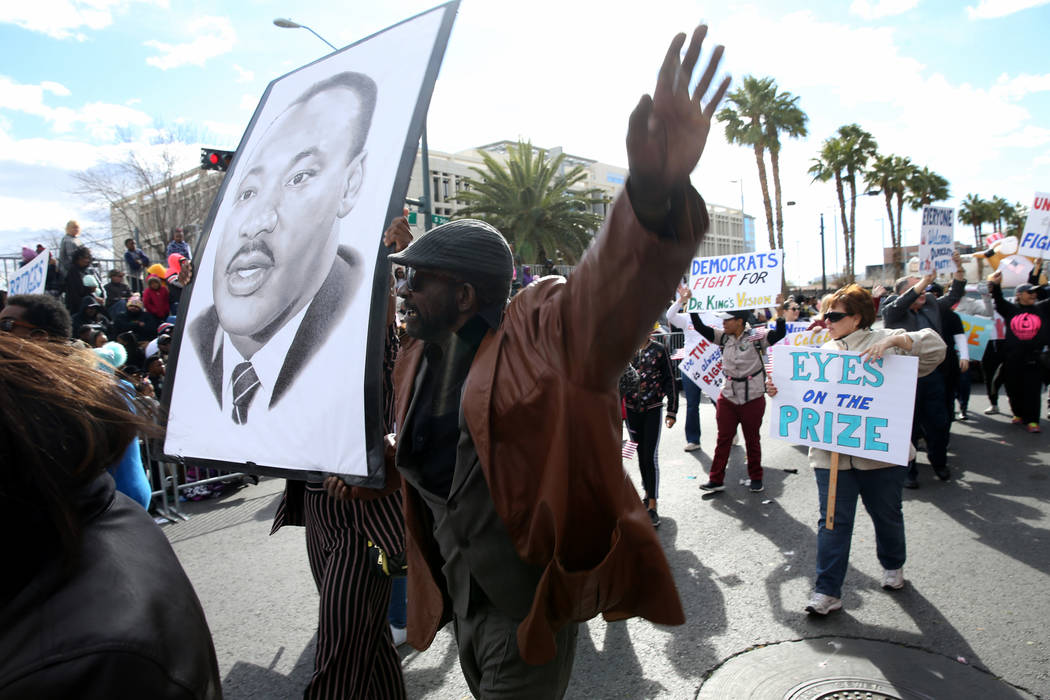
<point x="960" y="87"/>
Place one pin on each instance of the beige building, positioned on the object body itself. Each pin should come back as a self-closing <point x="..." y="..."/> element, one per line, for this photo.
<point x="151" y="215"/>
<point x="449" y="174"/>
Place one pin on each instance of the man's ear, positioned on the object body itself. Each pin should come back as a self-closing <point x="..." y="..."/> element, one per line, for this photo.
<point x="467" y="299"/>
<point x="355" y="176"/>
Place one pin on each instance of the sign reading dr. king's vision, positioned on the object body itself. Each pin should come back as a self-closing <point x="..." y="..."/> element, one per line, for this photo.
<point x="743" y="281"/>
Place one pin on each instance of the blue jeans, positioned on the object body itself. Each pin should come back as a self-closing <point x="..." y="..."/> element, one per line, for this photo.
<point x="692" y="410"/>
<point x="880" y="490"/>
<point x="397" y="613"/>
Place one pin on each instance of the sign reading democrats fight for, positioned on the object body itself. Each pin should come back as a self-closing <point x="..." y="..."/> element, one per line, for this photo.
<point x="833" y="400"/>
<point x="743" y="281"/>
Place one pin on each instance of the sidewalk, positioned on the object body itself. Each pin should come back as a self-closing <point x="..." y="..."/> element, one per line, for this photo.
<point x="978" y="590"/>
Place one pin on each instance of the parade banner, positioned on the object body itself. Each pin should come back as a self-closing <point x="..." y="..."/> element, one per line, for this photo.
<point x="703" y="365"/>
<point x="728" y="282"/>
<point x="937" y="240"/>
<point x="979" y="330"/>
<point x="1035" y="241"/>
<point x="833" y="400"/>
<point x="31" y="278"/>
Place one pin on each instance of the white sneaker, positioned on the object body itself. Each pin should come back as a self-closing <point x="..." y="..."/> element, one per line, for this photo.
<point x="893" y="578"/>
<point x="692" y="446"/>
<point x="820" y="604"/>
<point x="991" y="410"/>
<point x="400" y="635"/>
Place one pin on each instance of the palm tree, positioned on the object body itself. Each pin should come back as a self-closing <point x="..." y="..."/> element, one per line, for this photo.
<point x="890" y="174"/>
<point x="755" y="115"/>
<point x="842" y="157"/>
<point x="531" y="200"/>
<point x="926" y="187"/>
<point x="972" y="213"/>
<point x="1015" y="220"/>
<point x="1000" y="209"/>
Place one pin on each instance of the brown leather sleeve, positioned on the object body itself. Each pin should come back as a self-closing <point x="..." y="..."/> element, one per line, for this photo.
<point x="602" y="314"/>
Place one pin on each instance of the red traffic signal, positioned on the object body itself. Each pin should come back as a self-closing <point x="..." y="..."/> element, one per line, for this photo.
<point x="214" y="159"/>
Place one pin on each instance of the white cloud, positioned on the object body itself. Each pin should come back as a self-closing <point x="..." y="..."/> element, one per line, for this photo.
<point x="244" y="75"/>
<point x="101" y="120"/>
<point x="61" y="19"/>
<point x="213" y="36"/>
<point x="1017" y="87"/>
<point x="993" y="9"/>
<point x="881" y="8"/>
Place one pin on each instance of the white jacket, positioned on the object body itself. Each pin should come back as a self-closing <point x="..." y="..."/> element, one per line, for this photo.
<point x="926" y="345"/>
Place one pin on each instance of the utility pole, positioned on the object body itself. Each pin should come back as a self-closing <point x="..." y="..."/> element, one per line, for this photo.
<point x="823" y="262"/>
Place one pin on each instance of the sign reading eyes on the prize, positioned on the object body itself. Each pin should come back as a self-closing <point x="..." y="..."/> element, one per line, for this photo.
<point x="937" y="240"/>
<point x="1035" y="241"/>
<point x="743" y="281"/>
<point x="834" y="400"/>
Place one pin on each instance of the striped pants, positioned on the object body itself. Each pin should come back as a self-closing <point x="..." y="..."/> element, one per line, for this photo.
<point x="355" y="655"/>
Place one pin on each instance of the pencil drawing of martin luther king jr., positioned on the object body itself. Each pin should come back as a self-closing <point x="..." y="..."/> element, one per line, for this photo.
<point x="281" y="281"/>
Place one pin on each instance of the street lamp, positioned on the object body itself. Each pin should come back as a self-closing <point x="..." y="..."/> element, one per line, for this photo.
<point x="424" y="201"/>
<point x="289" y="24"/>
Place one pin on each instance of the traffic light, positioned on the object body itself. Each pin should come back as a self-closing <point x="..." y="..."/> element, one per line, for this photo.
<point x="214" y="159"/>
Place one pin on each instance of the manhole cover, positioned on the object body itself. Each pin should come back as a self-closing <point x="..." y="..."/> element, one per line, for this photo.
<point x="836" y="668"/>
<point x="844" y="689"/>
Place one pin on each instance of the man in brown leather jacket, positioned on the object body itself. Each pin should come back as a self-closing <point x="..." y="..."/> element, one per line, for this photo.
<point x="520" y="519"/>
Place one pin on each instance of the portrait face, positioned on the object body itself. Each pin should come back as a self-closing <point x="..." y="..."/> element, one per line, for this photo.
<point x="281" y="233"/>
<point x="178" y="236"/>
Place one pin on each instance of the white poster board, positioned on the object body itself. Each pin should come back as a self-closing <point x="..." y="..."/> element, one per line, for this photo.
<point x="292" y="271"/>
<point x="1035" y="240"/>
<point x="832" y="400"/>
<point x="728" y="282"/>
<point x="937" y="240"/>
<point x="703" y="365"/>
<point x="31" y="278"/>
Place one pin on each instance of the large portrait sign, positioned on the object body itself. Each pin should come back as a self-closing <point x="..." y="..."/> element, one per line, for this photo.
<point x="279" y="353"/>
<point x="834" y="400"/>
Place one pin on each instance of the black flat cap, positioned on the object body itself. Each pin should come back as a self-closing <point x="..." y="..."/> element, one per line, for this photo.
<point x="472" y="250"/>
<point x="467" y="248"/>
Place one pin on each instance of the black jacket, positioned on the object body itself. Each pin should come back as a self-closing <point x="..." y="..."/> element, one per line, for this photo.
<point x="896" y="311"/>
<point x="125" y="623"/>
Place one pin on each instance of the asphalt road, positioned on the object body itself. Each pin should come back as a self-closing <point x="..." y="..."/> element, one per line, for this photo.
<point x="978" y="589"/>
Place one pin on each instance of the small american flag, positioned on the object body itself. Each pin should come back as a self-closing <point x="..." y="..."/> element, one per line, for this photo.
<point x="628" y="449"/>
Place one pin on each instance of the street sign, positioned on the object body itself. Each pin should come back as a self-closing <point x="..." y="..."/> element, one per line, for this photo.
<point x="438" y="220"/>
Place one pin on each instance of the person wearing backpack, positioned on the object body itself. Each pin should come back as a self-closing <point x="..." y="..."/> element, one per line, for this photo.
<point x="742" y="401"/>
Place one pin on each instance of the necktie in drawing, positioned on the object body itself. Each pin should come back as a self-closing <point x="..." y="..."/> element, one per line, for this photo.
<point x="245" y="384"/>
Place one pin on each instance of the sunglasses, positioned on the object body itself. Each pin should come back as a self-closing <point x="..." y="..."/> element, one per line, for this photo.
<point x="415" y="279"/>
<point x="835" y="316"/>
<point x="792" y="308"/>
<point x="8" y="324"/>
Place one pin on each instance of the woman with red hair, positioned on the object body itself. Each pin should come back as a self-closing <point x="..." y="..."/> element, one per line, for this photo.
<point x="878" y="484"/>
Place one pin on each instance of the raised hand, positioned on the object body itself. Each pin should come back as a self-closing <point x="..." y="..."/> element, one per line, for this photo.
<point x="667" y="132"/>
<point x="398" y="234"/>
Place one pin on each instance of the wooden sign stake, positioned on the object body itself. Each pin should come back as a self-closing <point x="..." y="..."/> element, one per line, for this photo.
<point x="833" y="484"/>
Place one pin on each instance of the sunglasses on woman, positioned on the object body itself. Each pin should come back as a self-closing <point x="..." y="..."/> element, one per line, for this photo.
<point x="835" y="316"/>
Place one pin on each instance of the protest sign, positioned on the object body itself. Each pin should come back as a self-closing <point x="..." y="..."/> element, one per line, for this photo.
<point x="703" y="365"/>
<point x="727" y="282"/>
<point x="832" y="400"/>
<point x="1035" y="241"/>
<point x="937" y="240"/>
<point x="31" y="278"/>
<point x="979" y="330"/>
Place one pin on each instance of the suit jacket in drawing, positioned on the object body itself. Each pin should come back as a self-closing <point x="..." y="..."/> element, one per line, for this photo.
<point x="323" y="314"/>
